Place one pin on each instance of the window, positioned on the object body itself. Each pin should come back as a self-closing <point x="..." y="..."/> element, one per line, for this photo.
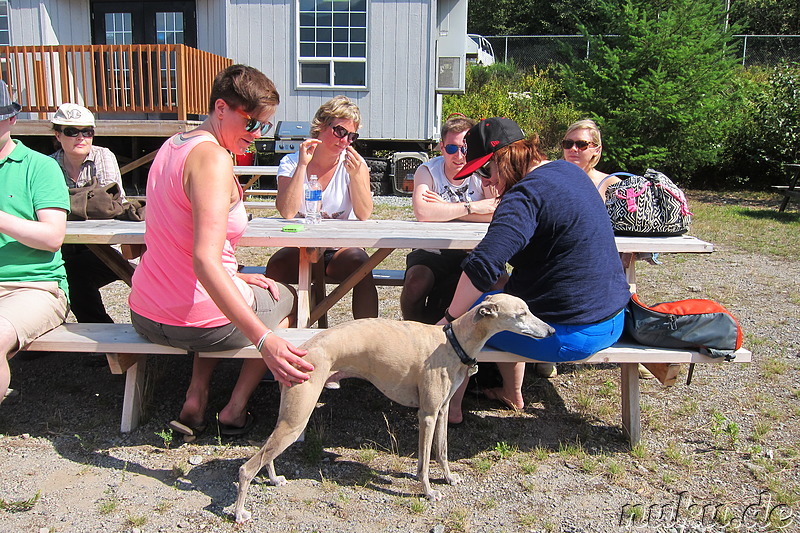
<point x="5" y="31"/>
<point x="332" y="43"/>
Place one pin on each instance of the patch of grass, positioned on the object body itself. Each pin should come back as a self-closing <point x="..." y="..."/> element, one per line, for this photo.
<point x="416" y="505"/>
<point x="676" y="455"/>
<point x="482" y="465"/>
<point x="491" y="503"/>
<point x="505" y="450"/>
<point x="721" y="426"/>
<point x="541" y="453"/>
<point x="19" y="506"/>
<point x="527" y="520"/>
<point x="457" y="520"/>
<point x="164" y="506"/>
<point x="528" y="466"/>
<point x="615" y="470"/>
<point x="760" y="431"/>
<point x="367" y="453"/>
<point x="752" y="229"/>
<point x="135" y="520"/>
<point x="571" y="450"/>
<point x="166" y="436"/>
<point x="639" y="450"/>
<point x="584" y="401"/>
<point x="688" y="408"/>
<point x="608" y="389"/>
<point x="179" y="470"/>
<point x="774" y="366"/>
<point x="108" y="505"/>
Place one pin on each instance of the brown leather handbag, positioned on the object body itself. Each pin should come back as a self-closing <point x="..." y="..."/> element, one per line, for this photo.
<point x="95" y="201"/>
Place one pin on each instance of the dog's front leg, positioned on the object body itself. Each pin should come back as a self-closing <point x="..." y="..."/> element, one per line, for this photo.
<point x="440" y="441"/>
<point x="427" y="428"/>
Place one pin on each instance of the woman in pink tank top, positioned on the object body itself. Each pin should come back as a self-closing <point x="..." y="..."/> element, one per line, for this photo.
<point x="187" y="291"/>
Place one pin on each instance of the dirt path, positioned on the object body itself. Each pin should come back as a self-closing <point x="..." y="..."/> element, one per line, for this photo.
<point x="560" y="465"/>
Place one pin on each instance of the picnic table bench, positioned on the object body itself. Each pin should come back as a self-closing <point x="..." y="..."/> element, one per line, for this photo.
<point x="127" y="353"/>
<point x="789" y="191"/>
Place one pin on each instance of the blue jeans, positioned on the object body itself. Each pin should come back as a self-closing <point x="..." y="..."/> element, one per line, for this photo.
<point x="569" y="343"/>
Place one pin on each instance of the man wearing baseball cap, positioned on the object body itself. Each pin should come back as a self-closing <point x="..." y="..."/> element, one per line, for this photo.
<point x="33" y="217"/>
<point x="552" y="227"/>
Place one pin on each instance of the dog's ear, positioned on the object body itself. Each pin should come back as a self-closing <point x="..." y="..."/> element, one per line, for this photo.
<point x="485" y="309"/>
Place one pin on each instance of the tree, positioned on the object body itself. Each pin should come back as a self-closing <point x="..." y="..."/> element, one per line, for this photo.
<point x="661" y="90"/>
<point x="767" y="17"/>
<point x="535" y="100"/>
<point x="529" y="17"/>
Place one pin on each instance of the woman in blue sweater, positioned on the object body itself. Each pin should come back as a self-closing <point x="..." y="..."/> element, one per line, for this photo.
<point x="552" y="228"/>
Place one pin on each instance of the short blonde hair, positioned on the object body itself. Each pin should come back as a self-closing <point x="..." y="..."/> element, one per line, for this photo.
<point x="337" y="107"/>
<point x="594" y="133"/>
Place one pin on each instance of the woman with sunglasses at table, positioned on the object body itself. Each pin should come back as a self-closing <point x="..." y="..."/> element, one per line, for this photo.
<point x="81" y="162"/>
<point x="187" y="291"/>
<point x="343" y="176"/>
<point x="557" y="237"/>
<point x="583" y="145"/>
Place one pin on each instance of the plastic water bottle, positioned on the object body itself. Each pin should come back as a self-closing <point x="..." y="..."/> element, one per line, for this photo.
<point x="313" y="201"/>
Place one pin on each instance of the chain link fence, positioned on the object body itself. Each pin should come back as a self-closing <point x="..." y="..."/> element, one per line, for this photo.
<point x="527" y="51"/>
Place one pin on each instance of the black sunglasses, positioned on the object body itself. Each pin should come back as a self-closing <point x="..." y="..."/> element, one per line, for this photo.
<point x="453" y="148"/>
<point x="567" y="144"/>
<point x="483" y="172"/>
<point x="341" y="133"/>
<point x="87" y="133"/>
<point x="253" y="124"/>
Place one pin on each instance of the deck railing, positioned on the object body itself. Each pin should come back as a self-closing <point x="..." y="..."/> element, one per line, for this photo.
<point x="139" y="78"/>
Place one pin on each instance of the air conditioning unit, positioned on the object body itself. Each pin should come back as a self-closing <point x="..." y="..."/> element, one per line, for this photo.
<point x="404" y="164"/>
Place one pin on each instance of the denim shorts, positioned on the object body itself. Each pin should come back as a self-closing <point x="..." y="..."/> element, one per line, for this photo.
<point x="570" y="342"/>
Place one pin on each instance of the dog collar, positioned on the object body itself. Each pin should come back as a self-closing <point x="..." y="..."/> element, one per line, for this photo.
<point x="451" y="336"/>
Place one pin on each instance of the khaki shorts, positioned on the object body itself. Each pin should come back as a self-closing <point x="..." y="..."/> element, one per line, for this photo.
<point x="270" y="311"/>
<point x="32" y="308"/>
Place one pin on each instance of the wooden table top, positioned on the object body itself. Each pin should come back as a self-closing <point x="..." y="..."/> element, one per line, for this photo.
<point x="268" y="232"/>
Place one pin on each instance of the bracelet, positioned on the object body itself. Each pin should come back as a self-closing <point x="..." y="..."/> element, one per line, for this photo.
<point x="260" y="343"/>
<point x="448" y="316"/>
<point x="469" y="206"/>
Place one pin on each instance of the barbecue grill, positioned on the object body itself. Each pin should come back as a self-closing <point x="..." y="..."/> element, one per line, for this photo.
<point x="287" y="139"/>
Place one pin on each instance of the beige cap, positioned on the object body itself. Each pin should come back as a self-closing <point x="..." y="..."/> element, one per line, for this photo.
<point x="73" y="115"/>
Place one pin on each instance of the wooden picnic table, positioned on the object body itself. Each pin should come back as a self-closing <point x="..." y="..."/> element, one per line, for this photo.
<point x="254" y="172"/>
<point x="383" y="235"/>
<point x="789" y="191"/>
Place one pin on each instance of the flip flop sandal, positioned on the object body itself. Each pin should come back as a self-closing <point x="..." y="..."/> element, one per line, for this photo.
<point x="235" y="431"/>
<point x="189" y="433"/>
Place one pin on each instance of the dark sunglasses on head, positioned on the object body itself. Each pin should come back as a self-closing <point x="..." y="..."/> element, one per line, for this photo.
<point x="341" y="133"/>
<point x="453" y="148"/>
<point x="253" y="124"/>
<point x="567" y="144"/>
<point x="87" y="133"/>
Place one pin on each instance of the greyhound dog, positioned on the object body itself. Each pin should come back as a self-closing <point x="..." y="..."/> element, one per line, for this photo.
<point x="414" y="364"/>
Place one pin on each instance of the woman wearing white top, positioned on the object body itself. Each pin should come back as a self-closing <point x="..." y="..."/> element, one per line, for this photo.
<point x="343" y="176"/>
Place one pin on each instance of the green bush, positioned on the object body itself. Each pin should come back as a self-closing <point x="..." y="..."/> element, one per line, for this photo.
<point x="535" y="100"/>
<point x="769" y="135"/>
<point x="662" y="90"/>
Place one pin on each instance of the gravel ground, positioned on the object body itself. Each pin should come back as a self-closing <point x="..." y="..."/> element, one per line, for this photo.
<point x="561" y="464"/>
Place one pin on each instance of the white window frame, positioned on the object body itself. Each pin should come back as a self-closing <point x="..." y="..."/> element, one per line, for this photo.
<point x="8" y="21"/>
<point x="329" y="60"/>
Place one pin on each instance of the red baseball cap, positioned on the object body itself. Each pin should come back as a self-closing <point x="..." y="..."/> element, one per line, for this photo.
<point x="485" y="138"/>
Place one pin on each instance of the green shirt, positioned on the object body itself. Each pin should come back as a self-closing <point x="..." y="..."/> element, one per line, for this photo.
<point x="30" y="181"/>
